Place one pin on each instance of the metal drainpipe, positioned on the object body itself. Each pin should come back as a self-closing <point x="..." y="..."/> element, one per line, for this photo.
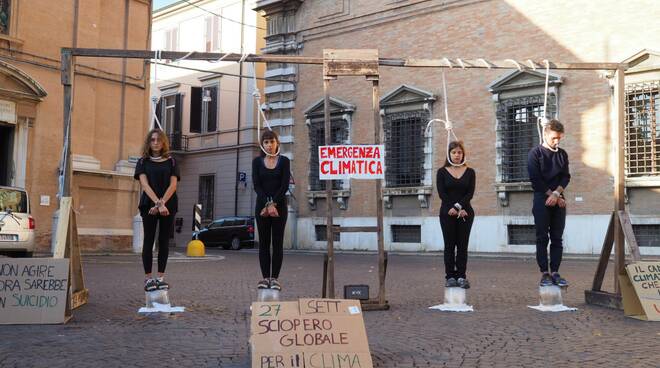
<point x="240" y="106"/>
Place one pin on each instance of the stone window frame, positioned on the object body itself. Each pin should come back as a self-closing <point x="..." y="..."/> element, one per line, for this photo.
<point x="406" y="98"/>
<point x="315" y="115"/>
<point x="518" y="84"/>
<point x="644" y="69"/>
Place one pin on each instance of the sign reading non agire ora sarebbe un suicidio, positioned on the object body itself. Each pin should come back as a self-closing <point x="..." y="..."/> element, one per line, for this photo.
<point x="352" y="162"/>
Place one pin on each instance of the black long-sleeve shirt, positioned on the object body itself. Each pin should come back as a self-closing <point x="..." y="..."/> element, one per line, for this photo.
<point x="452" y="190"/>
<point x="547" y="169"/>
<point x="271" y="183"/>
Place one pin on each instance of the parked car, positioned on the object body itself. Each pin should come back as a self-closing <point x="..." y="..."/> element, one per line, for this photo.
<point x="228" y="232"/>
<point x="16" y="223"/>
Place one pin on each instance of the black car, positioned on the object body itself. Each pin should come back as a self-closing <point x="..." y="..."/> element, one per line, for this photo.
<point x="228" y="232"/>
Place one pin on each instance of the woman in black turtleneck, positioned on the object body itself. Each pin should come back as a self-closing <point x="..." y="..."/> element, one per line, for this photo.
<point x="270" y="176"/>
<point x="456" y="184"/>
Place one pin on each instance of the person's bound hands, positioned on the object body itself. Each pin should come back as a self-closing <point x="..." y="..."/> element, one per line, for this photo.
<point x="462" y="213"/>
<point x="561" y="202"/>
<point x="452" y="212"/>
<point x="272" y="211"/>
<point x="551" y="201"/>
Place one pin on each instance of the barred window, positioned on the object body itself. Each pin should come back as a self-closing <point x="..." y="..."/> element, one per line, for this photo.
<point x="322" y="235"/>
<point x="338" y="135"/>
<point x="517" y="132"/>
<point x="521" y="234"/>
<point x="642" y="133"/>
<point x="406" y="233"/>
<point x="647" y="235"/>
<point x="404" y="148"/>
<point x="5" y="16"/>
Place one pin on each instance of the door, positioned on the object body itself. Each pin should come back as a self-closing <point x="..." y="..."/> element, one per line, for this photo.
<point x="7" y="154"/>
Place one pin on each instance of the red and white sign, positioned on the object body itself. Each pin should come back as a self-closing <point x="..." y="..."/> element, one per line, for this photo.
<point x="357" y="162"/>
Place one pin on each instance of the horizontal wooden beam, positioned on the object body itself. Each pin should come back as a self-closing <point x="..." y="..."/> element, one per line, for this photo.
<point x="355" y="229"/>
<point x="455" y="63"/>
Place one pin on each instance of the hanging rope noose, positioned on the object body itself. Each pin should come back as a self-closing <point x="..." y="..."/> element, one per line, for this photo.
<point x="260" y="114"/>
<point x="154" y="98"/>
<point x="544" y="121"/>
<point x="449" y="126"/>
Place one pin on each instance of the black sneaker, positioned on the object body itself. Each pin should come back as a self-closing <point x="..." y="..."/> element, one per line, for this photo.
<point x="150" y="285"/>
<point x="463" y="283"/>
<point x="263" y="284"/>
<point x="275" y="285"/>
<point x="558" y="280"/>
<point x="162" y="285"/>
<point x="451" y="282"/>
<point x="546" y="280"/>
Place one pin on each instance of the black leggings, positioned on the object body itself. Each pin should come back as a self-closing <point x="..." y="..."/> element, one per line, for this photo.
<point x="456" y="234"/>
<point x="149" y="223"/>
<point x="271" y="231"/>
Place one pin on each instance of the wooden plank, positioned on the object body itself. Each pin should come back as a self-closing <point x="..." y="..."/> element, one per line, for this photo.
<point x="328" y="195"/>
<point x="605" y="253"/>
<point x="629" y="236"/>
<point x="355" y="229"/>
<point x="349" y="62"/>
<point x="375" y="103"/>
<point x="76" y="279"/>
<point x="619" y="184"/>
<point x="392" y="62"/>
<point x="603" y="299"/>
<point x="62" y="228"/>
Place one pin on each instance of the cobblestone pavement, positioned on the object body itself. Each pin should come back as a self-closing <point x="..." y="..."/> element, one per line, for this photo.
<point x="217" y="291"/>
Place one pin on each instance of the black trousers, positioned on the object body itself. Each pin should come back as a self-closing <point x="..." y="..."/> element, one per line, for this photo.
<point x="271" y="234"/>
<point x="549" y="223"/>
<point x="456" y="234"/>
<point x="149" y="223"/>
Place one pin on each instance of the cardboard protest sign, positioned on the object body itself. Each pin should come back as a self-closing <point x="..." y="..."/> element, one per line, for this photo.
<point x="641" y="291"/>
<point x="309" y="333"/>
<point x="33" y="290"/>
<point x="357" y="162"/>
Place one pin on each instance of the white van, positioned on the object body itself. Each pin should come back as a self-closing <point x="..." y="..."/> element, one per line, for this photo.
<point x="16" y="224"/>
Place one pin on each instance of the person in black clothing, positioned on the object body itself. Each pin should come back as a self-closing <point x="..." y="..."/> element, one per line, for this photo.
<point x="456" y="183"/>
<point x="547" y="165"/>
<point x="271" y="173"/>
<point x="158" y="174"/>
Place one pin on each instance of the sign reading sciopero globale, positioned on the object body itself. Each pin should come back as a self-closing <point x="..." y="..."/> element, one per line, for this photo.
<point x="354" y="161"/>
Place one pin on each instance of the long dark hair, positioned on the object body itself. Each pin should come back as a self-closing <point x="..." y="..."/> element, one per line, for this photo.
<point x="452" y="145"/>
<point x="146" y="147"/>
<point x="268" y="134"/>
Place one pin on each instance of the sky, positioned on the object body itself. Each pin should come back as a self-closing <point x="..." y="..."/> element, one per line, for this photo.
<point x="161" y="3"/>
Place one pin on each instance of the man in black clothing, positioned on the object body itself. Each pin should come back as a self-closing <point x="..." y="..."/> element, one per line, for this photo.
<point x="547" y="165"/>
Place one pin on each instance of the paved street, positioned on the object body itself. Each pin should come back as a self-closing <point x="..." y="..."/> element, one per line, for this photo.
<point x="217" y="291"/>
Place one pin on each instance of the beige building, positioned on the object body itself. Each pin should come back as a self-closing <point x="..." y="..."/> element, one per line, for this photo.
<point x="494" y="112"/>
<point x="109" y="115"/>
<point x="208" y="112"/>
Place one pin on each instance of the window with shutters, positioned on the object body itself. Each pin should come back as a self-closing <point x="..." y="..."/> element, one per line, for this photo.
<point x="168" y="112"/>
<point x="204" y="109"/>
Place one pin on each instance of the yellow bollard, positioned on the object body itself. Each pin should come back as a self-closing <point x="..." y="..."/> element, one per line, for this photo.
<point x="195" y="249"/>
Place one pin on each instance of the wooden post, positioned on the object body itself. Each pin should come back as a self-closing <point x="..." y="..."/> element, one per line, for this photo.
<point x="379" y="197"/>
<point x="67" y="83"/>
<point x="328" y="192"/>
<point x="619" y="204"/>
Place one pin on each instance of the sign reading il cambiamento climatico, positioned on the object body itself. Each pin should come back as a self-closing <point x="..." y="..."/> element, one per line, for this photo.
<point x="352" y="162"/>
<point x="641" y="291"/>
<point x="33" y="290"/>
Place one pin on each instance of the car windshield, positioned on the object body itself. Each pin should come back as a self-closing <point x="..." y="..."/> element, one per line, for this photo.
<point x="13" y="200"/>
